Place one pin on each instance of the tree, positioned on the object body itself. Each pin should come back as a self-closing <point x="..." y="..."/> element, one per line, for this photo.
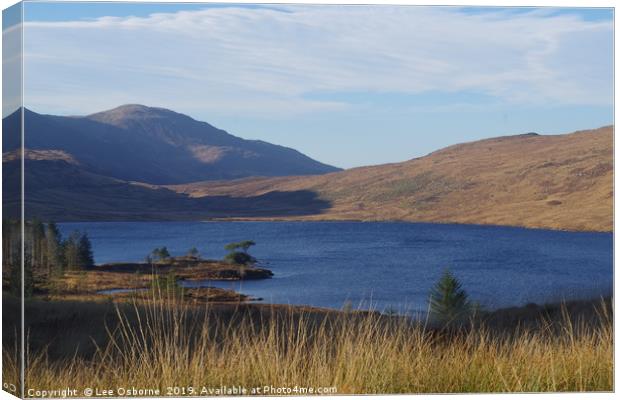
<point x="448" y="301"/>
<point x="70" y="251"/>
<point x="243" y="245"/>
<point x="193" y="252"/>
<point x="85" y="252"/>
<point x="239" y="257"/>
<point x="77" y="251"/>
<point x="53" y="248"/>
<point x="37" y="233"/>
<point x="164" y="254"/>
<point x="160" y="253"/>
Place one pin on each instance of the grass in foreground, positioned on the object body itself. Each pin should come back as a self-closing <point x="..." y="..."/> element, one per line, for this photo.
<point x="166" y="343"/>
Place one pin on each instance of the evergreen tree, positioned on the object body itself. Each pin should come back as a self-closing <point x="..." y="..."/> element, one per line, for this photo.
<point x="243" y="245"/>
<point x="38" y="244"/>
<point x="164" y="254"/>
<point x="160" y="254"/>
<point x="70" y="250"/>
<point x="77" y="251"/>
<point x="240" y="257"/>
<point x="193" y="252"/>
<point x="85" y="252"/>
<point x="448" y="301"/>
<point x="53" y="248"/>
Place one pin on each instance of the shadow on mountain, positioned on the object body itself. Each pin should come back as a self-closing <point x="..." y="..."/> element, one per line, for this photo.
<point x="85" y="208"/>
<point x="60" y="191"/>
<point x="272" y="204"/>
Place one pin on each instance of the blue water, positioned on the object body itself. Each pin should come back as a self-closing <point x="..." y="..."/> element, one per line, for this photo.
<point x="380" y="265"/>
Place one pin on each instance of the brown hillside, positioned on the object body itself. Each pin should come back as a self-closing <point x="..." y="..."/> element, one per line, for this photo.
<point x="558" y="182"/>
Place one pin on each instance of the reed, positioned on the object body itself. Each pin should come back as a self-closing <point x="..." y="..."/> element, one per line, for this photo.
<point x="166" y="343"/>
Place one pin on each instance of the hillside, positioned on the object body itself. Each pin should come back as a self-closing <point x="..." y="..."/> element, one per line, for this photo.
<point x="158" y="146"/>
<point x="551" y="181"/>
<point x="58" y="188"/>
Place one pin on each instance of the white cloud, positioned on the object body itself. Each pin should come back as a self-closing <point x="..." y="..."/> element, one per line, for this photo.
<point x="12" y="65"/>
<point x="265" y="61"/>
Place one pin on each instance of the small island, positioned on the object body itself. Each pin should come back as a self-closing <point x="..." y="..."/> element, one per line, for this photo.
<point x="160" y="271"/>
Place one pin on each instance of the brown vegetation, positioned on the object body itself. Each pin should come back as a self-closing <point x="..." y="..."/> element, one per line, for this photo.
<point x="167" y="343"/>
<point x="538" y="181"/>
<point x="133" y="279"/>
<point x="192" y="269"/>
<point x="551" y="181"/>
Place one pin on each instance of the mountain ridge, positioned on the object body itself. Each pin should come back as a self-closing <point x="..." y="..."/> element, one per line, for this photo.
<point x="560" y="181"/>
<point x="158" y="146"/>
<point x="539" y="181"/>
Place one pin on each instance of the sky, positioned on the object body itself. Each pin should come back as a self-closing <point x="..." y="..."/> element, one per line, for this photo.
<point x="346" y="85"/>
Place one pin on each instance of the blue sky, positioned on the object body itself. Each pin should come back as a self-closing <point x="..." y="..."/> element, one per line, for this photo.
<point x="347" y="85"/>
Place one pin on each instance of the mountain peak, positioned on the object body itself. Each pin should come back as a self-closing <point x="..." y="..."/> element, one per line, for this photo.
<point x="132" y="111"/>
<point x="131" y="108"/>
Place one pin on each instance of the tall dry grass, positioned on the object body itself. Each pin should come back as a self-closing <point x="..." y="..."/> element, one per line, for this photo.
<point x="166" y="343"/>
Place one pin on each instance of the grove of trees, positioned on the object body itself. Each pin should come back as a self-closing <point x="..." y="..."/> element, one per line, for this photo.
<point x="46" y="253"/>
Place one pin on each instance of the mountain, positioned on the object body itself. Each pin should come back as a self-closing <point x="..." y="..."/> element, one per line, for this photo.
<point x="540" y="181"/>
<point x="157" y="146"/>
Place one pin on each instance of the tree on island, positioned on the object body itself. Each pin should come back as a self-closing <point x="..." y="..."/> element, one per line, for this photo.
<point x="160" y="254"/>
<point x="193" y="253"/>
<point x="448" y="301"/>
<point x="238" y="253"/>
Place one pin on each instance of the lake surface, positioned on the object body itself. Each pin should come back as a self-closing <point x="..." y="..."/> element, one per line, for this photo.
<point x="380" y="265"/>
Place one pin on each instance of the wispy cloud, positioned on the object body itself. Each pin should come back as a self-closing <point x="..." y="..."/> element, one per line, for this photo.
<point x="264" y="61"/>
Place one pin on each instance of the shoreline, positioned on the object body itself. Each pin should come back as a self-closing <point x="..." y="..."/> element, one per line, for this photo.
<point x="508" y="318"/>
<point x="391" y="221"/>
<point x="137" y="281"/>
<point x="336" y="220"/>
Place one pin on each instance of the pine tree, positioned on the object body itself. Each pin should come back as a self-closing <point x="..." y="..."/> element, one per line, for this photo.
<point x="85" y="252"/>
<point x="53" y="248"/>
<point x="37" y="231"/>
<point x="240" y="257"/>
<point x="160" y="254"/>
<point x="448" y="301"/>
<point x="70" y="251"/>
<point x="193" y="253"/>
<point x="164" y="254"/>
